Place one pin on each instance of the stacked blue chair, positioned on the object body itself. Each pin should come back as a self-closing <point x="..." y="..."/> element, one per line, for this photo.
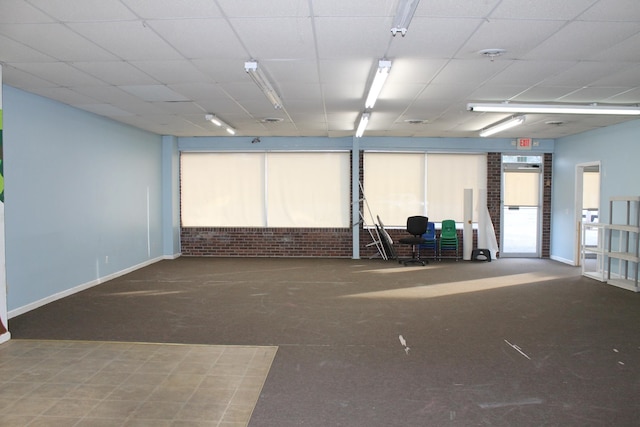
<point x="430" y="240"/>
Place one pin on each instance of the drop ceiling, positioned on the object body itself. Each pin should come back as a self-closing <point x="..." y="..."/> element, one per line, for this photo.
<point x="161" y="65"/>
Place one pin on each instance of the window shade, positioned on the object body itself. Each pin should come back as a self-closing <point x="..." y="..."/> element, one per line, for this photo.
<point x="308" y="189"/>
<point x="265" y="189"/>
<point x="521" y="188"/>
<point x="398" y="185"/>
<point x="448" y="175"/>
<point x="394" y="186"/>
<point x="222" y="189"/>
<point x="591" y="190"/>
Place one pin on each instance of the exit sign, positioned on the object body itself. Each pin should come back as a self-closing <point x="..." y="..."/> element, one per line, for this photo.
<point x="523" y="144"/>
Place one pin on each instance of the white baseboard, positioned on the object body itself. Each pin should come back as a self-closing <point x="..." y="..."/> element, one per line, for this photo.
<point x="5" y="337"/>
<point x="36" y="304"/>
<point x="563" y="260"/>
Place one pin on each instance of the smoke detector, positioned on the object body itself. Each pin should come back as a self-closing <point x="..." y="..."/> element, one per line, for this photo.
<point x="492" y="53"/>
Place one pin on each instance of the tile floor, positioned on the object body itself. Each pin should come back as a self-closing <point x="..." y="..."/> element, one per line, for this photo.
<point x="77" y="383"/>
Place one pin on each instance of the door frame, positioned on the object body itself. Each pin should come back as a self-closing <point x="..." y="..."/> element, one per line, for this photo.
<point x="579" y="196"/>
<point x="539" y="167"/>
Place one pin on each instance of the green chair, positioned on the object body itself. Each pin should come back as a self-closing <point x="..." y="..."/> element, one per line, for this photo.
<point x="448" y="238"/>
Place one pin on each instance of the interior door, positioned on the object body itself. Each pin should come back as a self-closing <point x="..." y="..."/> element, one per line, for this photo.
<point x="521" y="210"/>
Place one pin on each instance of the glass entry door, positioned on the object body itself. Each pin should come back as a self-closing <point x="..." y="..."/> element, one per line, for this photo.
<point x="521" y="208"/>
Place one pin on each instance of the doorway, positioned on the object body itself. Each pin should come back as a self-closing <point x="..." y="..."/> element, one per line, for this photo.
<point x="587" y="208"/>
<point x="521" y="206"/>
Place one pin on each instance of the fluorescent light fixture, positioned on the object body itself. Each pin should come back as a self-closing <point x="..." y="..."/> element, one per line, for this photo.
<point x="506" y="107"/>
<point x="501" y="126"/>
<point x="261" y="80"/>
<point x="382" y="73"/>
<point x="404" y="14"/>
<point x="364" y="120"/>
<point x="220" y="123"/>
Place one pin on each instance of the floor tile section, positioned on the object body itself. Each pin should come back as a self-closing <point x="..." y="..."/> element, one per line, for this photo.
<point x="78" y="383"/>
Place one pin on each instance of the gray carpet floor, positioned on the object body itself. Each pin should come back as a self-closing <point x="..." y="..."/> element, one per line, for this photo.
<point x="513" y="342"/>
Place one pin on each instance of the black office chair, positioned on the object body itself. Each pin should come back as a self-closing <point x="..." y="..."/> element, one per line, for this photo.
<point x="416" y="226"/>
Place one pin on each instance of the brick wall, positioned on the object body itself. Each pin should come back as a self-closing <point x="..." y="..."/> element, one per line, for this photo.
<point x="494" y="189"/>
<point x="266" y="242"/>
<point x="546" y="205"/>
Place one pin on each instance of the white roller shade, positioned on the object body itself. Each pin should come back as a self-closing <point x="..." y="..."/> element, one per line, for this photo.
<point x="448" y="175"/>
<point x="308" y="189"/>
<point x="394" y="186"/>
<point x="265" y="189"/>
<point x="522" y="188"/>
<point x="591" y="190"/>
<point x="222" y="189"/>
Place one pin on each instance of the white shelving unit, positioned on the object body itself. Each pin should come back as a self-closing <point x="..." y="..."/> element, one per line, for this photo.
<point x="593" y="255"/>
<point x="623" y="243"/>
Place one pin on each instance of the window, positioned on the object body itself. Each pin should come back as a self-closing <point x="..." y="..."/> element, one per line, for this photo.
<point x="399" y="185"/>
<point x="265" y="189"/>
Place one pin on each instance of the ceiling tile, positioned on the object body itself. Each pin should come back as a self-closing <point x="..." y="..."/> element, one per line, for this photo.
<point x="85" y="10"/>
<point x="153" y="93"/>
<point x="461" y="8"/>
<point x="541" y="9"/>
<point x="341" y="8"/>
<point x="172" y="71"/>
<point x="265" y="9"/>
<point x="320" y="57"/>
<point x="180" y="107"/>
<point x="116" y="38"/>
<point x="223" y="70"/>
<point x="523" y="35"/>
<point x="57" y="41"/>
<point x="108" y="94"/>
<point x="117" y="73"/>
<point x="433" y="38"/>
<point x="276" y="38"/>
<point x="199" y="91"/>
<point x="626" y="97"/>
<point x="457" y="71"/>
<point x="352" y="37"/>
<point x="23" y="80"/>
<point x="59" y="73"/>
<point x="619" y="10"/>
<point x="590" y="95"/>
<point x="627" y="76"/>
<point x="104" y="110"/>
<point x="530" y="73"/>
<point x="583" y="73"/>
<point x="21" y="12"/>
<point x="13" y="51"/>
<point x="627" y="50"/>
<point x="200" y="38"/>
<point x="543" y="93"/>
<point x="170" y="9"/>
<point x="579" y="40"/>
<point x="64" y="95"/>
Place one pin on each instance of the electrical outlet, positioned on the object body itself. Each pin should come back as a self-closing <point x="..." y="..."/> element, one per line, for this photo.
<point x="106" y="259"/>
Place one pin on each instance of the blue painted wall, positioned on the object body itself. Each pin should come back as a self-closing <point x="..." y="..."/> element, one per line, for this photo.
<point x="83" y="197"/>
<point x="618" y="149"/>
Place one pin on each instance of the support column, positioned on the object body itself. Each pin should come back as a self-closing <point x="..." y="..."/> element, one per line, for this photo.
<point x="4" y="333"/>
<point x="355" y="197"/>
